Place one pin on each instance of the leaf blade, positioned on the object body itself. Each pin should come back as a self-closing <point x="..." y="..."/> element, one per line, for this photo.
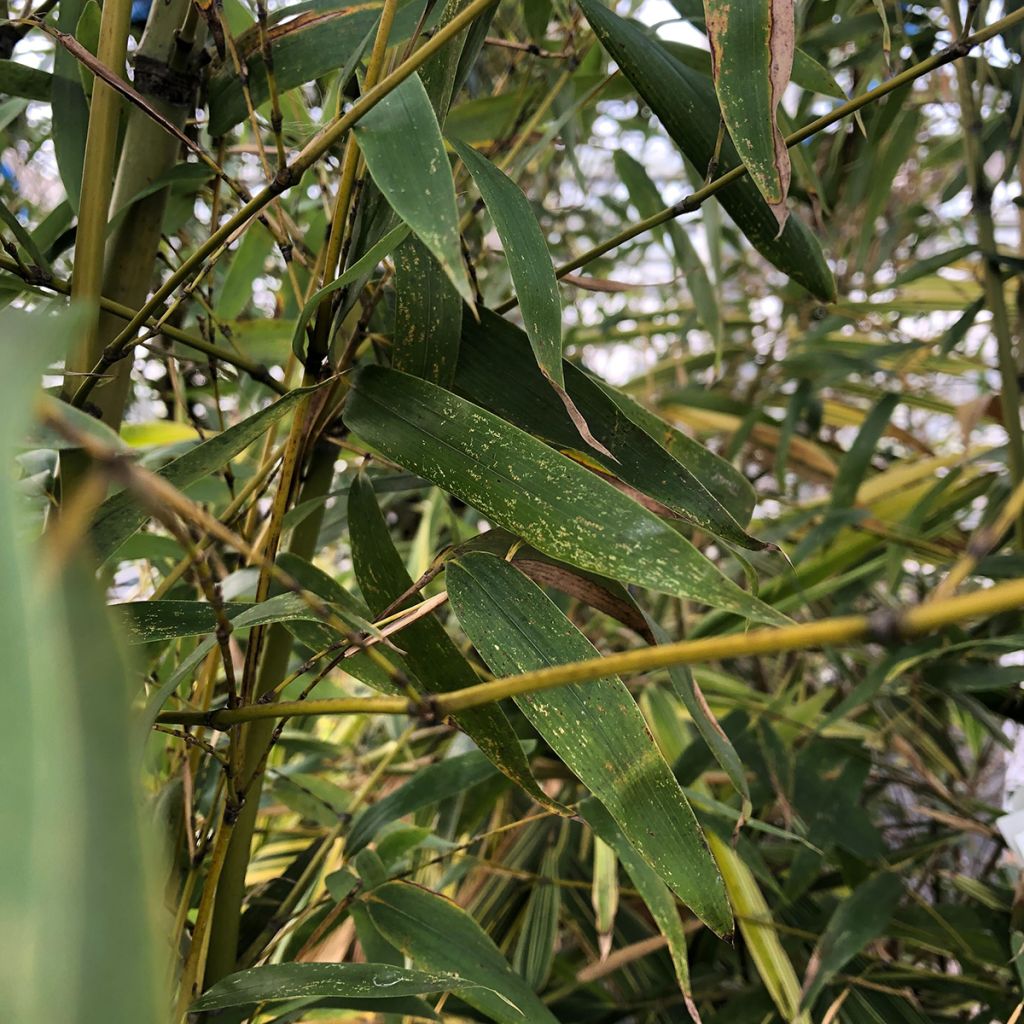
<point x="596" y="728"/>
<point x="401" y="142"/>
<point x="752" y="50"/>
<point x="519" y="483"/>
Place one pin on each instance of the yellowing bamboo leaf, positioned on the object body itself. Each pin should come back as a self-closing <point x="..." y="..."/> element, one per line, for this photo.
<point x="758" y="930"/>
<point x="752" y="44"/>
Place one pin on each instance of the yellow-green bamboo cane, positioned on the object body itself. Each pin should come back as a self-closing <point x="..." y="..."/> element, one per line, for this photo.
<point x="882" y="627"/>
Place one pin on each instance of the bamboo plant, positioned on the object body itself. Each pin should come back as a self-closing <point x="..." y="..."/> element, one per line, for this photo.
<point x="514" y="511"/>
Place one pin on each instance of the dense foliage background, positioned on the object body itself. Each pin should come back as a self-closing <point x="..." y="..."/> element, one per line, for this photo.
<point x="319" y="422"/>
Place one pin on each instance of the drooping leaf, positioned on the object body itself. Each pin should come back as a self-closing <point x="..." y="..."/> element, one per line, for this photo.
<point x="430" y="653"/>
<point x="493" y="352"/>
<point x="437" y="935"/>
<point x="685" y="102"/>
<point x="275" y="983"/>
<point x="689" y="480"/>
<point x="654" y="892"/>
<point x="752" y="45"/>
<point x="596" y="728"/>
<point x="404" y="152"/>
<point x="690" y="693"/>
<point x="533" y="276"/>
<point x="517" y="481"/>
<point x="306" y="42"/>
<point x="644" y="194"/>
<point x="70" y="109"/>
<point x="758" y="931"/>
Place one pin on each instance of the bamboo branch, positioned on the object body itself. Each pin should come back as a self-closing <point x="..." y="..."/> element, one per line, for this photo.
<point x="882" y="627"/>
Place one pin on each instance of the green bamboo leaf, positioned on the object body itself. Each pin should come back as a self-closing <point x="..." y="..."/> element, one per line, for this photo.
<point x="812" y="75"/>
<point x="690" y="693"/>
<point x="69" y="107"/>
<point x="857" y="460"/>
<point x="282" y="608"/>
<point x="427" y="787"/>
<point x="247" y="262"/>
<point x="595" y="728"/>
<point x="82" y="855"/>
<point x="653" y="891"/>
<point x="493" y="352"/>
<point x="149" y="621"/>
<point x="430" y="653"/>
<point x="404" y="152"/>
<point x="692" y="482"/>
<point x="685" y="102"/>
<point x="647" y="200"/>
<point x="860" y="918"/>
<point x="535" y="945"/>
<point x="120" y="515"/>
<point x="275" y="983"/>
<point x="428" y="316"/>
<point x="752" y="48"/>
<point x="533" y="276"/>
<point x="518" y="482"/>
<point x="437" y="935"/>
<point x="21" y="80"/>
<point x="87" y="32"/>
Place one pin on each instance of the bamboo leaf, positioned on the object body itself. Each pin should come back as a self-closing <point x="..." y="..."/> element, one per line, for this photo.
<point x="306" y="41"/>
<point x="275" y="983"/>
<point x="493" y="352"/>
<point x="858" y="919"/>
<point x="362" y="266"/>
<point x="595" y="728"/>
<point x="430" y="786"/>
<point x="647" y="200"/>
<point x="533" y="277"/>
<point x="518" y="482"/>
<point x="439" y="936"/>
<point x="404" y="152"/>
<point x="690" y="693"/>
<point x="430" y="653"/>
<point x="758" y="930"/>
<point x="535" y="944"/>
<point x="685" y="103"/>
<point x="70" y="110"/>
<point x="752" y="47"/>
<point x="28" y="82"/>
<point x="604" y="893"/>
<point x="83" y="855"/>
<point x="428" y="316"/>
<point x="120" y="515"/>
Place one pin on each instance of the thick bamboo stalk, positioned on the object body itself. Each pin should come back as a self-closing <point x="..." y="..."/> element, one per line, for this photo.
<point x="162" y="75"/>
